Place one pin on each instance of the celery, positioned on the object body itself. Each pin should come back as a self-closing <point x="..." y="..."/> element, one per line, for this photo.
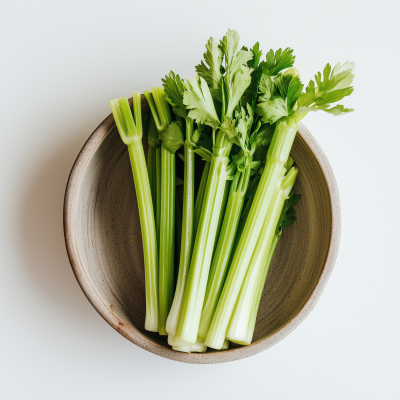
<point x="286" y="219"/>
<point x="154" y="170"/>
<point x="162" y="118"/>
<point x="225" y="238"/>
<point x="200" y="196"/>
<point x="220" y="263"/>
<point x="222" y="213"/>
<point x="238" y="326"/>
<point x="282" y="102"/>
<point x="198" y="347"/>
<point x="225" y="346"/>
<point x="199" y="100"/>
<point x="174" y="90"/>
<point x="130" y="130"/>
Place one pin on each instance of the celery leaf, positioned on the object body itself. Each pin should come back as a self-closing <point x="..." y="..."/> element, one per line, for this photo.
<point x="197" y="98"/>
<point x="278" y="61"/>
<point x="330" y="86"/>
<point x="172" y="137"/>
<point x="212" y="74"/>
<point x="174" y="90"/>
<point x="273" y="109"/>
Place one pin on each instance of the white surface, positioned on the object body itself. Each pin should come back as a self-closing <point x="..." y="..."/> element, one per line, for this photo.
<point x="61" y="61"/>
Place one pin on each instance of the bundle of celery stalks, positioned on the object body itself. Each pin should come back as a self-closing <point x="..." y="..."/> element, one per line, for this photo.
<point x="211" y="225"/>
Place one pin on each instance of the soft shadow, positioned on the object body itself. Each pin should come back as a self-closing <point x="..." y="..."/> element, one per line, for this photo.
<point x="41" y="235"/>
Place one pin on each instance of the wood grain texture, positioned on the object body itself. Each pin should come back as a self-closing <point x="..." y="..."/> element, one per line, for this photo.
<point x="103" y="239"/>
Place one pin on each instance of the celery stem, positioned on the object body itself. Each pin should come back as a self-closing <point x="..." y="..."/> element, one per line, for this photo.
<point x="277" y="156"/>
<point x="187" y="231"/>
<point x="167" y="237"/>
<point x="189" y="318"/>
<point x="200" y="196"/>
<point x="220" y="262"/>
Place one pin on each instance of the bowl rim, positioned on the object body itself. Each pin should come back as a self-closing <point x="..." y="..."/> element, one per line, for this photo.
<point x="137" y="337"/>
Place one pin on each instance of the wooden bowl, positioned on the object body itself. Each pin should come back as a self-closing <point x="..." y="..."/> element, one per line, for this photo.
<point x="102" y="234"/>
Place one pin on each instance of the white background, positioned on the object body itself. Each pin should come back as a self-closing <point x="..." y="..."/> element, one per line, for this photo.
<point x="61" y="61"/>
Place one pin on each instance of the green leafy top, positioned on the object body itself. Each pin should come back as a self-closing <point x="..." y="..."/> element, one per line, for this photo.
<point x="329" y="87"/>
<point x="278" y="61"/>
<point x="174" y="90"/>
<point x="197" y="98"/>
<point x="238" y="74"/>
<point x="282" y="95"/>
<point x="238" y="128"/>
<point x="210" y="83"/>
<point x="278" y="96"/>
<point x="212" y="74"/>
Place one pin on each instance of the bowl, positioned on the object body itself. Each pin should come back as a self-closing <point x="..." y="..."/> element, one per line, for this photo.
<point x="103" y="240"/>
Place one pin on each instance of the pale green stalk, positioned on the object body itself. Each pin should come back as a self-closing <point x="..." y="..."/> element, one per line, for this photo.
<point x="200" y="196"/>
<point x="189" y="318"/>
<point x="198" y="347"/>
<point x="239" y="323"/>
<point x="222" y="213"/>
<point x="225" y="346"/>
<point x="162" y="118"/>
<point x="178" y="229"/>
<point x="130" y="130"/>
<point x="278" y="154"/>
<point x="186" y="245"/>
<point x="220" y="262"/>
<point x="154" y="170"/>
<point x="158" y="192"/>
<point x="257" y="295"/>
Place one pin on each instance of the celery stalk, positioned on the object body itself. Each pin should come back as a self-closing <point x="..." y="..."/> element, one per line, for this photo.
<point x="167" y="237"/>
<point x="178" y="230"/>
<point x="158" y="192"/>
<point x="162" y="118"/>
<point x="238" y="326"/>
<point x="277" y="156"/>
<point x="198" y="347"/>
<point x="189" y="318"/>
<point x="200" y="196"/>
<point x="225" y="346"/>
<point x="154" y="170"/>
<point x="220" y="262"/>
<point x="130" y="130"/>
<point x="187" y="230"/>
<point x="222" y="213"/>
<point x="258" y="293"/>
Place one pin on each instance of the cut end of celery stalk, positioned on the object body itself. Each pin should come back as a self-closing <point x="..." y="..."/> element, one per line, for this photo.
<point x="183" y="349"/>
<point x="198" y="347"/>
<point x="173" y="342"/>
<point x="225" y="346"/>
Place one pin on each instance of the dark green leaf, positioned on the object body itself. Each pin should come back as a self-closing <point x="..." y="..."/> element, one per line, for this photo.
<point x="172" y="137"/>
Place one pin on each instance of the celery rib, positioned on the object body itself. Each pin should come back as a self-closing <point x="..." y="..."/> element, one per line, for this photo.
<point x="222" y="213"/>
<point x="166" y="216"/>
<point x="238" y="326"/>
<point x="189" y="318"/>
<point x="277" y="156"/>
<point x="187" y="231"/>
<point x="131" y="133"/>
<point x="220" y="262"/>
<point x="200" y="196"/>
<point x="167" y="237"/>
<point x="257" y="295"/>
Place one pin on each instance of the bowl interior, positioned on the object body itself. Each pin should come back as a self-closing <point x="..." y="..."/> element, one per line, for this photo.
<point x="109" y="241"/>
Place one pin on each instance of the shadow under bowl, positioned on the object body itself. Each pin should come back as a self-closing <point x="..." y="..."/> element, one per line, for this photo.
<point x="103" y="238"/>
